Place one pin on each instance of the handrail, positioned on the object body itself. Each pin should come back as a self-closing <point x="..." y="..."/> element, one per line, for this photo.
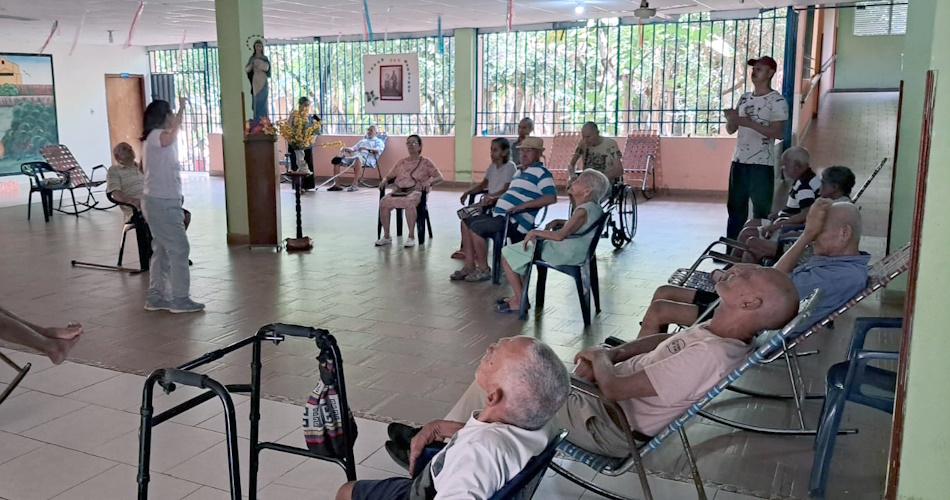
<point x="817" y="78"/>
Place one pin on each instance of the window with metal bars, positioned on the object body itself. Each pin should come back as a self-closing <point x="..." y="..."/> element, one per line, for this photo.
<point x="673" y="77"/>
<point x="304" y="69"/>
<point x="878" y="18"/>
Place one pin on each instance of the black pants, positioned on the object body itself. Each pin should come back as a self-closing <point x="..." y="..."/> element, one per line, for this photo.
<point x="308" y="181"/>
<point x="748" y="181"/>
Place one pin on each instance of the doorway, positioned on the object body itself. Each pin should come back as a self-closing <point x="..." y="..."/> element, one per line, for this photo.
<point x="125" y="106"/>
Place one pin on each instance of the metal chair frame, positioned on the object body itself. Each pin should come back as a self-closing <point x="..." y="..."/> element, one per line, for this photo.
<point x="21" y="372"/>
<point x="143" y="239"/>
<point x="37" y="172"/>
<point x="769" y="343"/>
<point x="640" y="157"/>
<point x="63" y="161"/>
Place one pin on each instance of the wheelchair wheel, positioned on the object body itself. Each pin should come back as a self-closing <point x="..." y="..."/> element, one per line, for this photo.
<point x="627" y="208"/>
<point x="617" y="237"/>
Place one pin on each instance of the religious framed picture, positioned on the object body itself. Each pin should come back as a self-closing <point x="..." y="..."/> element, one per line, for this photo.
<point x="390" y="83"/>
<point x="27" y="109"/>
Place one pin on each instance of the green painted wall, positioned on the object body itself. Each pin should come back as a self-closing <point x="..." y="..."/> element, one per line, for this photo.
<point x="926" y="449"/>
<point x="866" y="61"/>
<point x="466" y="54"/>
<point x="236" y="20"/>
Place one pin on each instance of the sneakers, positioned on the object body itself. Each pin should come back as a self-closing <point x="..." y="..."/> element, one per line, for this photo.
<point x="409" y="243"/>
<point x="185" y="305"/>
<point x="352" y="187"/>
<point x="383" y="242"/>
<point x="156" y="303"/>
<point x="334" y="188"/>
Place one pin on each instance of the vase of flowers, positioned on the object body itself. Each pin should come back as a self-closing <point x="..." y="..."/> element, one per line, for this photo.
<point x="300" y="132"/>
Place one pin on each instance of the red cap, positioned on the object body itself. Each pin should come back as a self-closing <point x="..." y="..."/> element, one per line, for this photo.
<point x="766" y="60"/>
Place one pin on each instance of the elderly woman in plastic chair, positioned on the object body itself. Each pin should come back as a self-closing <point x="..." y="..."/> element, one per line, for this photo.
<point x="409" y="178"/>
<point x="586" y="196"/>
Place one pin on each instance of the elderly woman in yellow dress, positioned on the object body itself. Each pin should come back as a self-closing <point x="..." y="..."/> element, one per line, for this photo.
<point x="586" y="193"/>
<point x="409" y="178"/>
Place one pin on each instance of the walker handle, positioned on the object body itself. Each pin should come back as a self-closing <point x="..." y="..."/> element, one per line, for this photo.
<point x="294" y="330"/>
<point x="185" y="377"/>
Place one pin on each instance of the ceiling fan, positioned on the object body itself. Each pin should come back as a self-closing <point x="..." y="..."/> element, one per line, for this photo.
<point x="645" y="12"/>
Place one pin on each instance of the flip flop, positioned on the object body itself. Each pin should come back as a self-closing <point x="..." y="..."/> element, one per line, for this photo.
<point x="501" y="300"/>
<point x="504" y="309"/>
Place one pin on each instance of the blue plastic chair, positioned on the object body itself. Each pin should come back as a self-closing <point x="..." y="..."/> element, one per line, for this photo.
<point x="852" y="380"/>
<point x="524" y="484"/>
<point x="584" y="274"/>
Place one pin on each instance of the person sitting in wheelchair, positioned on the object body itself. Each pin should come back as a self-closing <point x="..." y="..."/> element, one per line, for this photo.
<point x="599" y="153"/>
<point x="585" y="194"/>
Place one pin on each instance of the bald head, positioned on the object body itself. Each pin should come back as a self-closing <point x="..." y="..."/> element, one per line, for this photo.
<point x="754" y="298"/>
<point x="844" y="214"/>
<point x="841" y="232"/>
<point x="779" y="299"/>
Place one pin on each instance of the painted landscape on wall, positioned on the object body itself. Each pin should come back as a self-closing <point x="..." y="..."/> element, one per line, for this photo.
<point x="27" y="109"/>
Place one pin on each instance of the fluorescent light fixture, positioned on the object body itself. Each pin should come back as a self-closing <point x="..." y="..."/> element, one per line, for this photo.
<point x="726" y="15"/>
<point x="579" y="9"/>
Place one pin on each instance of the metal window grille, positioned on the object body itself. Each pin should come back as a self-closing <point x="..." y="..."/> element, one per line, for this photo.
<point x="673" y="77"/>
<point x="304" y="69"/>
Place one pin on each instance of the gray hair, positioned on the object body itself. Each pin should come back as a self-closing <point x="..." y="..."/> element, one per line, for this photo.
<point x="849" y="215"/>
<point x="598" y="183"/>
<point x="538" y="385"/>
<point x="797" y="154"/>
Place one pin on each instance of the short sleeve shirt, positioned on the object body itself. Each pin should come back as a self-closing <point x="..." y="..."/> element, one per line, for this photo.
<point x="840" y="279"/>
<point x="752" y="147"/>
<point x="598" y="157"/>
<point x="529" y="184"/>
<point x="367" y="158"/>
<point x="499" y="176"/>
<point x="803" y="194"/>
<point x="682" y="369"/>
<point x="130" y="181"/>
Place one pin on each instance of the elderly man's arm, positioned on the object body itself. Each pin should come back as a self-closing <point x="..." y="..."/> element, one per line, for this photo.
<point x="613" y="386"/>
<point x="583" y="359"/>
<point x="814" y="223"/>
<point x="614" y="170"/>
<point x="436" y="430"/>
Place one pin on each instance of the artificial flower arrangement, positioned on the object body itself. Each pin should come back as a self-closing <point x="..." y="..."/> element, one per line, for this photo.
<point x="297" y="131"/>
<point x="261" y="126"/>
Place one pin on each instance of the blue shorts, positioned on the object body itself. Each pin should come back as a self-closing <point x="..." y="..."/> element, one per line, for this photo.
<point x="394" y="488"/>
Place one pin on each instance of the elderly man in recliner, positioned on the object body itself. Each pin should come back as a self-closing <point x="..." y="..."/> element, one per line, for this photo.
<point x="525" y="384"/>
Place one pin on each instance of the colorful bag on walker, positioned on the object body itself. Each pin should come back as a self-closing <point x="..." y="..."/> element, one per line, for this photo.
<point x="322" y="419"/>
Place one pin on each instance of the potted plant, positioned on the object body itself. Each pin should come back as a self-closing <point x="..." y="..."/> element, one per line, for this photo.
<point x="300" y="132"/>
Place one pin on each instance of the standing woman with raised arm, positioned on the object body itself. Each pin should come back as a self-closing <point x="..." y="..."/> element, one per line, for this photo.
<point x="169" y="277"/>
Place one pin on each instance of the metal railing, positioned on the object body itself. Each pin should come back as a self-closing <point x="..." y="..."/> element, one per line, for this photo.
<point x="673" y="77"/>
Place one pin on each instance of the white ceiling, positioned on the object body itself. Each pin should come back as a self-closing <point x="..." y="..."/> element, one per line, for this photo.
<point x="163" y="22"/>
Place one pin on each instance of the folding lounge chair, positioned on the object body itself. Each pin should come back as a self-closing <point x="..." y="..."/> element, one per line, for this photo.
<point x="879" y="275"/>
<point x="21" y="372"/>
<point x="854" y="199"/>
<point x="62" y="160"/>
<point x="559" y="155"/>
<point x="358" y="178"/>
<point x="769" y="343"/>
<point x="639" y="161"/>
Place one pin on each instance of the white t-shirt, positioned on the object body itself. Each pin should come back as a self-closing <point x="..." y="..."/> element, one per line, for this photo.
<point x="161" y="165"/>
<point x="682" y="369"/>
<point x="499" y="176"/>
<point x="751" y="146"/>
<point x="478" y="460"/>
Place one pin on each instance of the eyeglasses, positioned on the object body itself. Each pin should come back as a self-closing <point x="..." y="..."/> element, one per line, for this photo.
<point x="412" y="142"/>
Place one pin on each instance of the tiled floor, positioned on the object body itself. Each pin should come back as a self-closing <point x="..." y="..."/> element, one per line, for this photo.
<point x="411" y="339"/>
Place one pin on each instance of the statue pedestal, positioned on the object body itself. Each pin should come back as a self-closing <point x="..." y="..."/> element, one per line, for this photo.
<point x="301" y="242"/>
<point x="263" y="190"/>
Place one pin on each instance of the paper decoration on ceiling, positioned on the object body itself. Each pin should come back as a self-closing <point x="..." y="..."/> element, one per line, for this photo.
<point x="367" y="25"/>
<point x="391" y="83"/>
<point x="82" y="21"/>
<point x="438" y="24"/>
<point x="52" y="31"/>
<point x="511" y="13"/>
<point x="135" y="19"/>
<point x="386" y="30"/>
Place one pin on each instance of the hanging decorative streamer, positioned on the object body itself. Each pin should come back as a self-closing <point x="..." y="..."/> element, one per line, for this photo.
<point x="640" y="25"/>
<point x="82" y="21"/>
<point x="135" y="19"/>
<point x="386" y="32"/>
<point x="511" y="13"/>
<point x="181" y="49"/>
<point x="367" y="25"/>
<point x="52" y="31"/>
<point x="438" y="24"/>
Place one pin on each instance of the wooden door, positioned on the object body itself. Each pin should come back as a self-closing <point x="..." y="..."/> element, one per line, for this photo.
<point x="125" y="105"/>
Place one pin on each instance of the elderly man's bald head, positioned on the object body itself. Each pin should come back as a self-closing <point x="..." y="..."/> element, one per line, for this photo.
<point x="841" y="232"/>
<point x="754" y="298"/>
<point x="845" y="214"/>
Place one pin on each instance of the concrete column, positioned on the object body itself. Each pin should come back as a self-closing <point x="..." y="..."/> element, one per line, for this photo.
<point x="926" y="437"/>
<point x="236" y="21"/>
<point x="466" y="58"/>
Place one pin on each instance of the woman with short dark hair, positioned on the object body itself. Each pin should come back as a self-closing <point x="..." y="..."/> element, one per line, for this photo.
<point x="410" y="177"/>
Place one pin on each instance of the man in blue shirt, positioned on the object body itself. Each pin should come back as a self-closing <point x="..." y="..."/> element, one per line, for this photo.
<point x="838" y="267"/>
<point x="531" y="189"/>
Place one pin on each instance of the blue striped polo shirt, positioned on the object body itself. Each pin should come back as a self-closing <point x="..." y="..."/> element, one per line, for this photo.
<point x="529" y="184"/>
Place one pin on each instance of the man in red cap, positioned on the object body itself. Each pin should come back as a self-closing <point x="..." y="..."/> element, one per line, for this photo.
<point x="759" y="119"/>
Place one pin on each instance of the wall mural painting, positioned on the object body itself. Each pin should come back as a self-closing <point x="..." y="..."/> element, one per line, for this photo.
<point x="27" y="109"/>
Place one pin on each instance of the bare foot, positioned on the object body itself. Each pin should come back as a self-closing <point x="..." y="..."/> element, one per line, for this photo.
<point x="59" y="349"/>
<point x="514" y="303"/>
<point x="71" y="331"/>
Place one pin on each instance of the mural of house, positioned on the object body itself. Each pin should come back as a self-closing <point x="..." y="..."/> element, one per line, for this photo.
<point x="9" y="72"/>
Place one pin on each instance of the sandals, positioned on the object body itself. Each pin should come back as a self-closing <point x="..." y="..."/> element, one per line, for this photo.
<point x="479" y="275"/>
<point x="461" y="274"/>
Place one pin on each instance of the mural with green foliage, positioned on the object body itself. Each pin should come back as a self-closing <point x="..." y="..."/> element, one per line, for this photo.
<point x="27" y="109"/>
